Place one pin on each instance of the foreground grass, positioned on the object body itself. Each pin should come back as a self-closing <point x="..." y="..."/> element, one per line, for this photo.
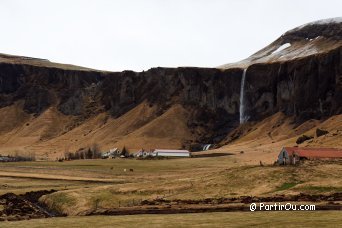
<point x="222" y="219"/>
<point x="192" y="178"/>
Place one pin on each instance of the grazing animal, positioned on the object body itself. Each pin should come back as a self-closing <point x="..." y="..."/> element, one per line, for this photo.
<point x="131" y="170"/>
<point x="125" y="170"/>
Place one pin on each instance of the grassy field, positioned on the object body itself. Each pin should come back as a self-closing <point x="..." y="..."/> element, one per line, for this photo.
<point x="103" y="184"/>
<point x="224" y="219"/>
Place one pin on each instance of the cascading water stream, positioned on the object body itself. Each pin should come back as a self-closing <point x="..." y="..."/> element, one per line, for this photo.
<point x="206" y="147"/>
<point x="242" y="99"/>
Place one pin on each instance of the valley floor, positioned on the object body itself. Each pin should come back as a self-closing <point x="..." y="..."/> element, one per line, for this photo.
<point x="88" y="187"/>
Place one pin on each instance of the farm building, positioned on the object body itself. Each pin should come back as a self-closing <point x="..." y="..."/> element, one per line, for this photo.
<point x="292" y="155"/>
<point x="162" y="153"/>
<point x="171" y="153"/>
<point x="143" y="153"/>
<point x="112" y="153"/>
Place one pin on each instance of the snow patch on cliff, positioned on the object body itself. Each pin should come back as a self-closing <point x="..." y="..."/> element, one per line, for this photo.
<point x="282" y="47"/>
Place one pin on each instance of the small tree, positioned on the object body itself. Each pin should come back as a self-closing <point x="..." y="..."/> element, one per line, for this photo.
<point x="89" y="154"/>
<point x="124" y="152"/>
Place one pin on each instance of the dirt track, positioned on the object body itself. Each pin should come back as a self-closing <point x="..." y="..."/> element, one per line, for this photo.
<point x="56" y="177"/>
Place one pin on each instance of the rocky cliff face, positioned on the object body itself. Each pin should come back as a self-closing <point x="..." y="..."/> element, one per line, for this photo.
<point x="41" y="87"/>
<point x="306" y="87"/>
<point x="212" y="95"/>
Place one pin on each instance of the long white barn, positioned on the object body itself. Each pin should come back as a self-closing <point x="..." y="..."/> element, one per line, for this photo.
<point x="171" y="153"/>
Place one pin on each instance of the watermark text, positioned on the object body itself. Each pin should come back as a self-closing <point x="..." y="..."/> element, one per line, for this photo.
<point x="281" y="207"/>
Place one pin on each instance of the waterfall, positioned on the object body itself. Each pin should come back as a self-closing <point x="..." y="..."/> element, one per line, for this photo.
<point x="243" y="117"/>
<point x="206" y="147"/>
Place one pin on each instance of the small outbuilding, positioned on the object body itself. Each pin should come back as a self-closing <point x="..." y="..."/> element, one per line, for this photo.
<point x="112" y="153"/>
<point x="293" y="155"/>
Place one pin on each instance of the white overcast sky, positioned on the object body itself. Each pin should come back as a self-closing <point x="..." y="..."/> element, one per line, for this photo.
<point x="139" y="34"/>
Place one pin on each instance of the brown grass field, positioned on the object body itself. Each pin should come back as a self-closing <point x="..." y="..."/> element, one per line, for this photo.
<point x="90" y="185"/>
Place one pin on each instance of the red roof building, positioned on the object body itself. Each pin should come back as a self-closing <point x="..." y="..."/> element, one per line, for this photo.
<point x="292" y="155"/>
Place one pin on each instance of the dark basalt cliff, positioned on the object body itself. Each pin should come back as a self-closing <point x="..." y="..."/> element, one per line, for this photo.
<point x="307" y="87"/>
